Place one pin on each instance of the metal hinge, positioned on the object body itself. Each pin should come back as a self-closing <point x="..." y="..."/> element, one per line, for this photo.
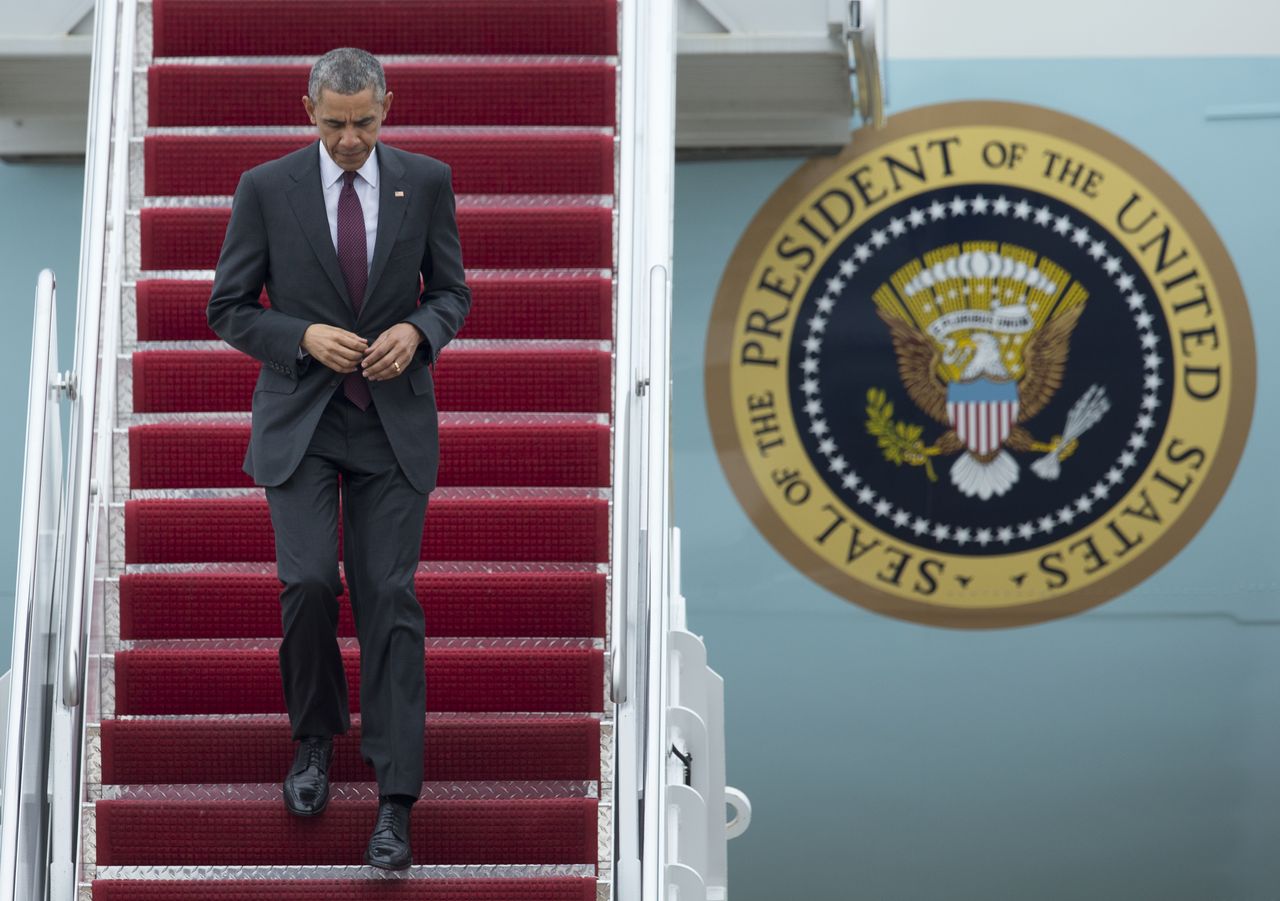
<point x="860" y="39"/>
<point x="686" y="760"/>
<point x="66" y="383"/>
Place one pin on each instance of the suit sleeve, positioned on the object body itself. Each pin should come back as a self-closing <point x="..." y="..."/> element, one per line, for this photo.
<point x="445" y="299"/>
<point x="234" y="311"/>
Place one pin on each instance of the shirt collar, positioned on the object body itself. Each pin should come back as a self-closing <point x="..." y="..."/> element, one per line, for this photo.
<point x="330" y="171"/>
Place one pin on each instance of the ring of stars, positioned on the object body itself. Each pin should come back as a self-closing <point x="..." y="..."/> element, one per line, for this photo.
<point x="1062" y="225"/>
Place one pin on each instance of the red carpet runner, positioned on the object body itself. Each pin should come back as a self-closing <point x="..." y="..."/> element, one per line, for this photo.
<point x="519" y="97"/>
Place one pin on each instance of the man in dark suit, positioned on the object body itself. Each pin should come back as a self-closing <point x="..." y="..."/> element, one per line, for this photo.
<point x="357" y="245"/>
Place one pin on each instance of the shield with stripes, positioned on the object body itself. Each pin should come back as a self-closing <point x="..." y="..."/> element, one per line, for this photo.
<point x="982" y="412"/>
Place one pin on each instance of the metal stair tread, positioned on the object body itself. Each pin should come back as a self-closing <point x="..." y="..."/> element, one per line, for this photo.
<point x="477" y="60"/>
<point x="350" y="643"/>
<point x="282" y="719"/>
<point x="498" y="495"/>
<point x="464" y="201"/>
<point x="436" y="566"/>
<point x="269" y="792"/>
<point x="396" y="131"/>
<point x="448" y="419"/>
<point x="457" y="346"/>
<point x="341" y="871"/>
<point x="479" y="274"/>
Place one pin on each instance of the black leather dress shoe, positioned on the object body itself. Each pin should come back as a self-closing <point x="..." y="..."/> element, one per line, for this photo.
<point x="389" y="844"/>
<point x="306" y="788"/>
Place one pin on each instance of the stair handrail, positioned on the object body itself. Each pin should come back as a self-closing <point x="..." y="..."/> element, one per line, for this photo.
<point x="23" y="813"/>
<point x="102" y="271"/>
<point x="641" y="550"/>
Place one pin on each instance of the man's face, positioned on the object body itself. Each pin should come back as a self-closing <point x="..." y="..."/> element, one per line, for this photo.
<point x="348" y="124"/>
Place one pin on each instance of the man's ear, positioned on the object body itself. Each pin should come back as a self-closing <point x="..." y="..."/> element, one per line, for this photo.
<point x="306" y="105"/>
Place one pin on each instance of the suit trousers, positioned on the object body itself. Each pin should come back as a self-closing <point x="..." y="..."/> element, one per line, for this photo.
<point x="382" y="524"/>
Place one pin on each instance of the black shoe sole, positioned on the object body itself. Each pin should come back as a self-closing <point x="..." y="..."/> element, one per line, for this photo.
<point x="383" y="866"/>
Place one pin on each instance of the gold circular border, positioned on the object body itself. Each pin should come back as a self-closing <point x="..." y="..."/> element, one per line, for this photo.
<point x="1233" y="307"/>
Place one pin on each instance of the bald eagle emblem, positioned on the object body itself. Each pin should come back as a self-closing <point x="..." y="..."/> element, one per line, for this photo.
<point x="982" y="333"/>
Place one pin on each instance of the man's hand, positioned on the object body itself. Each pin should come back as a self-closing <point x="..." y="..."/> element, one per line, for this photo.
<point x="336" y="348"/>
<point x="389" y="355"/>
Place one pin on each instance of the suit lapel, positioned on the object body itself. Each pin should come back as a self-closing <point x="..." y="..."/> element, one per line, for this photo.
<point x="391" y="210"/>
<point x="307" y="198"/>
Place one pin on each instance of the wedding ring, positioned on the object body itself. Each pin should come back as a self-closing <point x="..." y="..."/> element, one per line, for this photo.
<point x="396" y="365"/>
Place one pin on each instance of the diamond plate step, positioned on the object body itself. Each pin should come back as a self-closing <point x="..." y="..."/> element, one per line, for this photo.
<point x="338" y="883"/>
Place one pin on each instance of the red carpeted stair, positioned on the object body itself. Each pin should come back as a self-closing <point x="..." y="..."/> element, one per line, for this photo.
<point x="447" y="92"/>
<point x="539" y="306"/>
<point x="141" y="830"/>
<point x="496" y="233"/>
<point x="519" y="97"/>
<point x="254" y="748"/>
<point x="311" y="889"/>
<point x="465" y="600"/>
<point x="243" y="677"/>
<point x="254" y="27"/>
<point x="517" y="378"/>
<point x="486" y="160"/>
<point x="554" y="450"/>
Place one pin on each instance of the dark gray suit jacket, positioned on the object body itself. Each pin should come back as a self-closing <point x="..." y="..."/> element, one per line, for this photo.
<point x="279" y="236"/>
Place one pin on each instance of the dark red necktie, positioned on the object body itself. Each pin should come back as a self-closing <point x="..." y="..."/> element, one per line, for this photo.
<point x="352" y="257"/>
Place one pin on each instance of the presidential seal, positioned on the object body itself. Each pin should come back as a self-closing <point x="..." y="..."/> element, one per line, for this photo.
<point x="989" y="366"/>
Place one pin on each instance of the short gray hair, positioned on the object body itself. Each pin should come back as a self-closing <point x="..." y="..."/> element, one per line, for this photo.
<point x="347" y="70"/>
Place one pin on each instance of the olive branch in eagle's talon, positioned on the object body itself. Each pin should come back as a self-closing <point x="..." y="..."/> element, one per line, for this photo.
<point x="899" y="442"/>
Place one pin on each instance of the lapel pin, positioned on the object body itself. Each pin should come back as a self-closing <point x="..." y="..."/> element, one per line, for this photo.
<point x="399" y="193"/>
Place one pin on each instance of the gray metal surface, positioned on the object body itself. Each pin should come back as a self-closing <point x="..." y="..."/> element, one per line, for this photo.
<point x="389" y="131"/>
<point x="387" y="59"/>
<point x="439" y="494"/>
<point x="495" y="871"/>
<point x="446" y="567"/>
<point x="464" y="201"/>
<point x="455" y="418"/>
<point x="350" y="643"/>
<point x="283" y="718"/>
<point x="457" y="346"/>
<point x="351" y="791"/>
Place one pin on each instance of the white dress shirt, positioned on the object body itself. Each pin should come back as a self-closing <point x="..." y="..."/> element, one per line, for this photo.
<point x="366" y="185"/>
